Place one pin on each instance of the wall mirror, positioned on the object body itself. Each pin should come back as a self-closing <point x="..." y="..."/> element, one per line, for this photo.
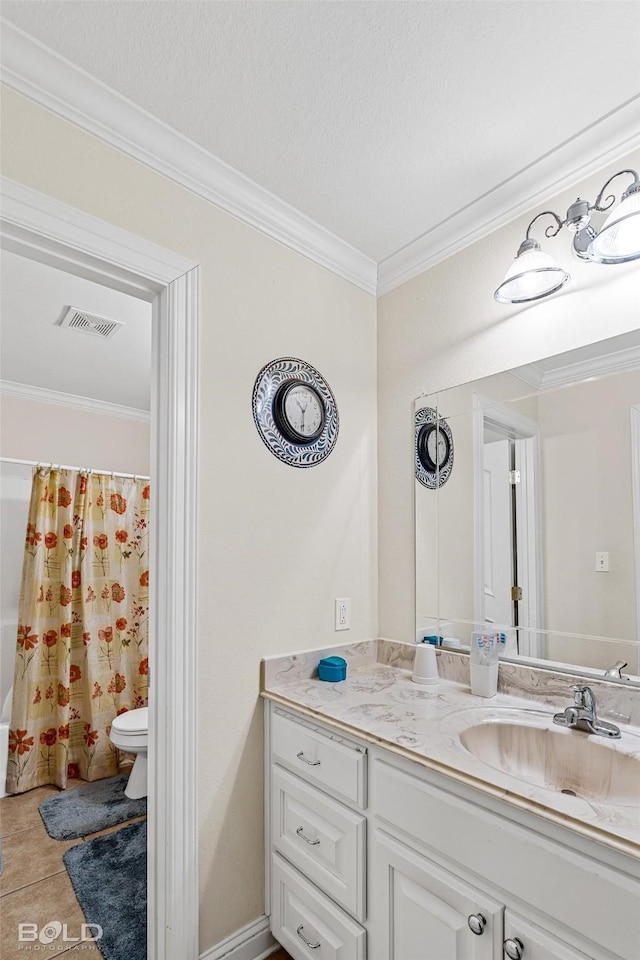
<point x="527" y="510"/>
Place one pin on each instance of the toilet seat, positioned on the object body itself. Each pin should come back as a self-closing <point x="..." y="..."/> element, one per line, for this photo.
<point x="132" y="721"/>
<point x="130" y="730"/>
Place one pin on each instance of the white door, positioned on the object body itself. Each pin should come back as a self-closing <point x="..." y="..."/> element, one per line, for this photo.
<point x="498" y="533"/>
<point x="536" y="943"/>
<point x="421" y="912"/>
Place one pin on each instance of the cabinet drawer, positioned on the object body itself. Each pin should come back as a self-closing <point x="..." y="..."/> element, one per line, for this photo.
<point x="321" y="837"/>
<point x="328" y="761"/>
<point x="309" y="925"/>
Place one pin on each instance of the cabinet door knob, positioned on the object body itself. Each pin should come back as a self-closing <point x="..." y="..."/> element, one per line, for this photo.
<point x="513" y="948"/>
<point x="477" y="923"/>
<point x="312" y="763"/>
<point x="312" y="946"/>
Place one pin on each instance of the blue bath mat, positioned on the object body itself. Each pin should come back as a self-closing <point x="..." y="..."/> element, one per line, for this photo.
<point x="90" y="808"/>
<point x="109" y="877"/>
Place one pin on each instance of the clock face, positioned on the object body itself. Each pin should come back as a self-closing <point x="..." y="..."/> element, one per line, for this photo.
<point x="303" y="411"/>
<point x="437" y="447"/>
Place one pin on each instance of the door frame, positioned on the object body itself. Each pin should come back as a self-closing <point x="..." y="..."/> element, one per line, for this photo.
<point x="526" y="432"/>
<point x="635" y="492"/>
<point x="44" y="229"/>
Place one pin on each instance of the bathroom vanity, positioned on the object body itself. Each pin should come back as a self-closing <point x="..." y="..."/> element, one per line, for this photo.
<point x="388" y="838"/>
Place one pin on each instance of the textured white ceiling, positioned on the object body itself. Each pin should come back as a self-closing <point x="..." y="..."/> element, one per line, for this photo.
<point x="38" y="353"/>
<point x="378" y="120"/>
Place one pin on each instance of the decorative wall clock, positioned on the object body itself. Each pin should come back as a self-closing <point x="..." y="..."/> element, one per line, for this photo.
<point x="295" y="412"/>
<point x="433" y="448"/>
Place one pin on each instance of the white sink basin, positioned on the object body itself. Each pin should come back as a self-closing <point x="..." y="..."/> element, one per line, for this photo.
<point x="528" y="746"/>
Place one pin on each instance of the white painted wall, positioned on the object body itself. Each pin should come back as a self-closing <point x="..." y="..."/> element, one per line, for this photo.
<point x="276" y="544"/>
<point x="37" y="430"/>
<point x="443" y="328"/>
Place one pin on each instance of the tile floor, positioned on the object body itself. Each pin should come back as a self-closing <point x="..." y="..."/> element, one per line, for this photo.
<point x="35" y="887"/>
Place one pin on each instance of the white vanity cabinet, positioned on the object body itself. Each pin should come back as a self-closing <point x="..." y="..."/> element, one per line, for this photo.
<point x="373" y="856"/>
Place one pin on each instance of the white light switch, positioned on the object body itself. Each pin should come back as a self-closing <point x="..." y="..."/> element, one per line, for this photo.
<point x="602" y="561"/>
<point x="343" y="613"/>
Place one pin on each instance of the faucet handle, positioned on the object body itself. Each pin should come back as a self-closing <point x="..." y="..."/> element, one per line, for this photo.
<point x="616" y="669"/>
<point x="583" y="696"/>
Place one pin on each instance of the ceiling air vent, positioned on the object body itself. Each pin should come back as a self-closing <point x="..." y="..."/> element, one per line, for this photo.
<point x="89" y="323"/>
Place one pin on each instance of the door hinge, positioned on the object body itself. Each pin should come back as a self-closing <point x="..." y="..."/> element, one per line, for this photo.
<point x="514" y="477"/>
<point x="516" y="593"/>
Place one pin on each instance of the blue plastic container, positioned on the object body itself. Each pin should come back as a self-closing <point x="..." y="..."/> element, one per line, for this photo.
<point x="332" y="669"/>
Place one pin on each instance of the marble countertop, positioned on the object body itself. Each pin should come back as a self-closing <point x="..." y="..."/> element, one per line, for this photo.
<point x="380" y="703"/>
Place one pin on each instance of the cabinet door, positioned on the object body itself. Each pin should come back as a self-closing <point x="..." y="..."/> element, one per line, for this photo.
<point x="537" y="945"/>
<point x="420" y="911"/>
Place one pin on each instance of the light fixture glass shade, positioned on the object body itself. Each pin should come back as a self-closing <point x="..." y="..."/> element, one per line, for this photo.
<point x="619" y="239"/>
<point x="532" y="275"/>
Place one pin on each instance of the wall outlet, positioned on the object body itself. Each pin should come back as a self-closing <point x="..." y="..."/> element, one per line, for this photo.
<point x="342" y="611"/>
<point x="602" y="561"/>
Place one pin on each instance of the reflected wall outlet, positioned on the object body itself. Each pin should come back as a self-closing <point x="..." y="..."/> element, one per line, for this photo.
<point x="602" y="561"/>
<point x="342" y="613"/>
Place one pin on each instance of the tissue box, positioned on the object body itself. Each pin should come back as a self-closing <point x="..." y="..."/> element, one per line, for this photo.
<point x="332" y="669"/>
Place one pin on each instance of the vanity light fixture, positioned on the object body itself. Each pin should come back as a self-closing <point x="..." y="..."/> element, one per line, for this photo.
<point x="534" y="274"/>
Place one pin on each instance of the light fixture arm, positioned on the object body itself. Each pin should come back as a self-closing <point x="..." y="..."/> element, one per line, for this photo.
<point x="552" y="229"/>
<point x="610" y="200"/>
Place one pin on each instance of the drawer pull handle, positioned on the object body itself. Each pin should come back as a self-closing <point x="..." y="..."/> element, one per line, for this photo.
<point x="312" y="843"/>
<point x="476" y="923"/>
<point x="313" y="946"/>
<point x="513" y="948"/>
<point x="312" y="763"/>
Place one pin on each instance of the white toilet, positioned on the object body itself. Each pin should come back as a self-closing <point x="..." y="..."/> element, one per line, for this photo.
<point x="130" y="732"/>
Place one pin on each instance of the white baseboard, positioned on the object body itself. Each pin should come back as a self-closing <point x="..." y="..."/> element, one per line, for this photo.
<point x="253" y="942"/>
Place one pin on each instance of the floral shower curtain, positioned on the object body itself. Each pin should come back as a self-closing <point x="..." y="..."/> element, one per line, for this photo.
<point x="82" y="653"/>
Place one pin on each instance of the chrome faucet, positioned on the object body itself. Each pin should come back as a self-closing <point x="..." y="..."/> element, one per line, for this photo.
<point x="616" y="669"/>
<point x="582" y="715"/>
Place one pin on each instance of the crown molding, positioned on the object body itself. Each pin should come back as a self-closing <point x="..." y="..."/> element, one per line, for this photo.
<point x="541" y="379"/>
<point x="37" y="72"/>
<point x="25" y="391"/>
<point x="606" y="140"/>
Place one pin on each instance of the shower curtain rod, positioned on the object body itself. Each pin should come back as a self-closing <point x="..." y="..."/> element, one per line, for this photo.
<point x="66" y="466"/>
